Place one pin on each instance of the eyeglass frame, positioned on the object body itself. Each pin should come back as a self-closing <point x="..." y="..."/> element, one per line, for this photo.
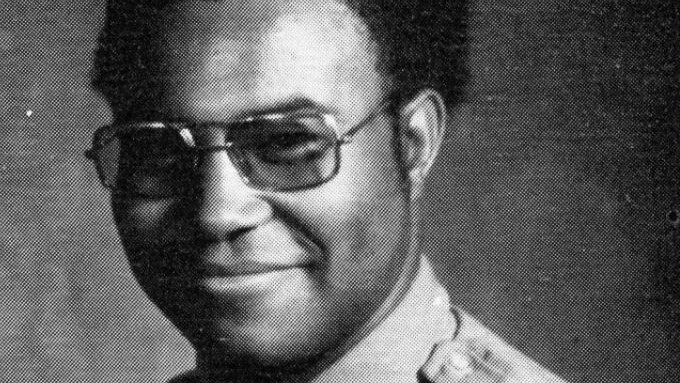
<point x="184" y="130"/>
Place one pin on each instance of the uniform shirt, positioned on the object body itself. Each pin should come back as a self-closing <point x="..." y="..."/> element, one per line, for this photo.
<point x="425" y="340"/>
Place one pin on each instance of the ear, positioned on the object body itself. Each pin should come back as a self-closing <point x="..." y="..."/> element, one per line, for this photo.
<point x="422" y="126"/>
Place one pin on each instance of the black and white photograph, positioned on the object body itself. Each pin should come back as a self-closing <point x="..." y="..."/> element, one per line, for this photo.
<point x="310" y="191"/>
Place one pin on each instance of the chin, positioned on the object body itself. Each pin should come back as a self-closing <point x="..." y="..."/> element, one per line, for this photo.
<point x="261" y="348"/>
<point x="268" y="341"/>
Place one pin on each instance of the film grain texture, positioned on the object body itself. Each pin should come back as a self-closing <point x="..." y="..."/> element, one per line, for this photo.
<point x="551" y="215"/>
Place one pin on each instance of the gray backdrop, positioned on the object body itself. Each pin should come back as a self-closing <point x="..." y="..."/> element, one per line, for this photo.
<point x="551" y="215"/>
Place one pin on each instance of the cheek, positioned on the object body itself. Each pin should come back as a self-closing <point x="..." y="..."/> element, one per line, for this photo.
<point x="369" y="189"/>
<point x="145" y="228"/>
<point x="141" y="222"/>
<point x="360" y="215"/>
<point x="368" y="231"/>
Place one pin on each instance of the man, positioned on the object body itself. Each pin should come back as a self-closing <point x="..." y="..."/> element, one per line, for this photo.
<point x="266" y="162"/>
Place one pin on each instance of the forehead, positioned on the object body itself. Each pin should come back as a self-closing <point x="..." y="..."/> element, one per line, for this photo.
<point x="251" y="18"/>
<point x="233" y="53"/>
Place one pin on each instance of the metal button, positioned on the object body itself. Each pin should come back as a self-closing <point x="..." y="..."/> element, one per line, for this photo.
<point x="457" y="364"/>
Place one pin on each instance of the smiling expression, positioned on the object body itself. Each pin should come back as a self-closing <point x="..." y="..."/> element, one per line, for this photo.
<point x="269" y="277"/>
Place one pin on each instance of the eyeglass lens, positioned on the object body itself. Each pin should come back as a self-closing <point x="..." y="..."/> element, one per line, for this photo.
<point x="285" y="154"/>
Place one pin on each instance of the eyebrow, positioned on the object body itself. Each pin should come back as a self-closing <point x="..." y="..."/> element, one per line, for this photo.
<point x="288" y="105"/>
<point x="292" y="104"/>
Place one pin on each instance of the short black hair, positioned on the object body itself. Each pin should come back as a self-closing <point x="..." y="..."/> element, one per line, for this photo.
<point x="423" y="44"/>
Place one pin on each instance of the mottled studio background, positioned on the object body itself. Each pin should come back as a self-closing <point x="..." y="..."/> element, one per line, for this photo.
<point x="551" y="218"/>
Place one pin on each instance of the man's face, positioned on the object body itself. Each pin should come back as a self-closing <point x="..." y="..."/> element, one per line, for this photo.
<point x="269" y="277"/>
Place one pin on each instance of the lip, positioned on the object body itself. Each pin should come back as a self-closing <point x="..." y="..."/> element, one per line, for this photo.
<point x="229" y="270"/>
<point x="260" y="259"/>
<point x="246" y="268"/>
<point x="248" y="279"/>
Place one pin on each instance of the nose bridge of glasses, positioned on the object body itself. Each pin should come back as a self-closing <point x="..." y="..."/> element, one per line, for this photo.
<point x="209" y="148"/>
<point x="208" y="137"/>
<point x="203" y="149"/>
<point x="215" y="165"/>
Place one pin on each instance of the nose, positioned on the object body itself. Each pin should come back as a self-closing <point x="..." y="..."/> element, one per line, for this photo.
<point x="224" y="204"/>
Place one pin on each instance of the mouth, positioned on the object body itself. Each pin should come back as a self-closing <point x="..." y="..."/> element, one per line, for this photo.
<point x="247" y="268"/>
<point x="261" y="259"/>
<point x="250" y="278"/>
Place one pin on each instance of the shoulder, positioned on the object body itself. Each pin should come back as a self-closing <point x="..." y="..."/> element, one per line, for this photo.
<point x="475" y="354"/>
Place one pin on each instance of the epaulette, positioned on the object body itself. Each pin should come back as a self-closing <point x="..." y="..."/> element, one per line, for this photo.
<point x="474" y="354"/>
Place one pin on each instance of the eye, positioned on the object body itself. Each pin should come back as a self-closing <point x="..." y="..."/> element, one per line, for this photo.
<point x="286" y="142"/>
<point x="150" y="150"/>
<point x="151" y="162"/>
<point x="292" y="147"/>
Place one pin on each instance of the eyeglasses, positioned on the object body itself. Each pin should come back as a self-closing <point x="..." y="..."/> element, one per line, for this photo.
<point x="273" y="152"/>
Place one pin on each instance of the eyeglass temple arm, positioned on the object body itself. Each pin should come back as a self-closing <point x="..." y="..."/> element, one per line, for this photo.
<point x="349" y="135"/>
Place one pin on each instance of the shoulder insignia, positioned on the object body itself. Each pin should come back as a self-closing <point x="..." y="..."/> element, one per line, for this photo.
<point x="476" y="355"/>
<point x="463" y="362"/>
